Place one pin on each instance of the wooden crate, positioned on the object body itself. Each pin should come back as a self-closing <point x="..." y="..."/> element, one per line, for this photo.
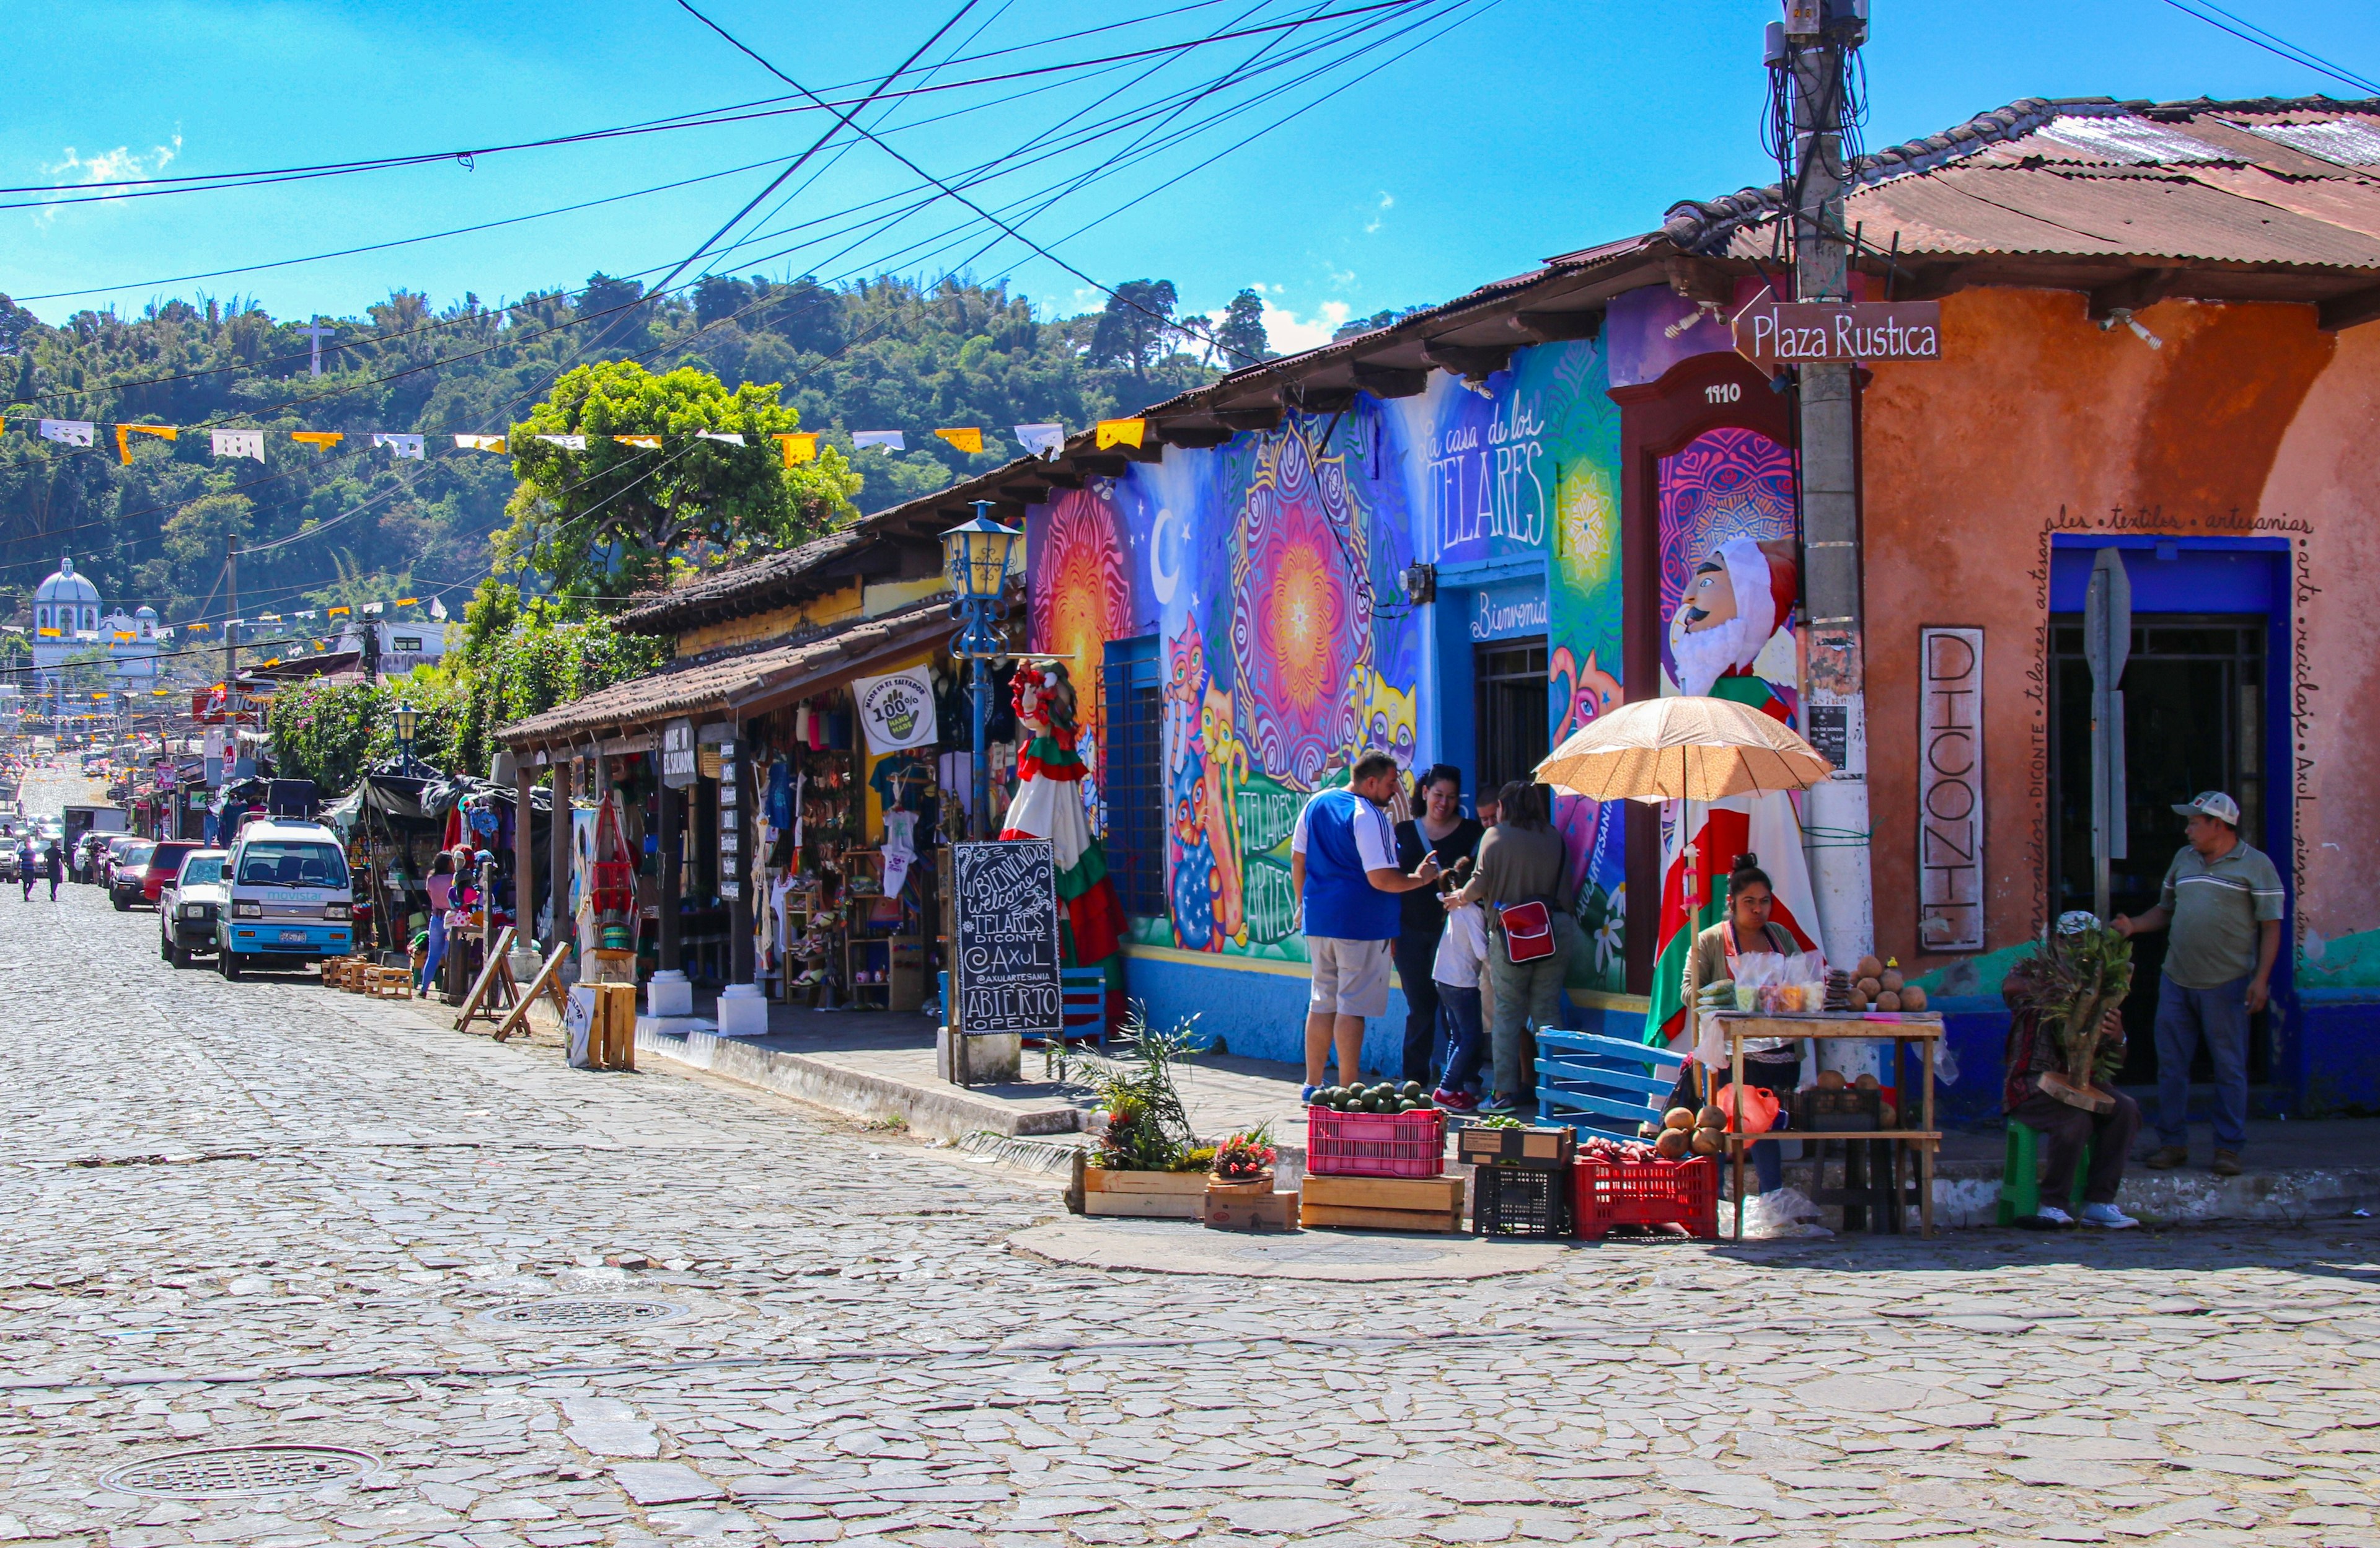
<point x="1251" y="1212"/>
<point x="1147" y="1195"/>
<point x="1533" y="1148"/>
<point x="1383" y="1204"/>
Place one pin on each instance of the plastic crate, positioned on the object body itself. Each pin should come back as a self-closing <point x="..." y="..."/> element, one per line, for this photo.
<point x="1609" y="1193"/>
<point x="1520" y="1202"/>
<point x="1375" y="1144"/>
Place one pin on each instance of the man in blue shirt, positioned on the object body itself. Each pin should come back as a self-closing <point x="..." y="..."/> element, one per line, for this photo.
<point x="1342" y="862"/>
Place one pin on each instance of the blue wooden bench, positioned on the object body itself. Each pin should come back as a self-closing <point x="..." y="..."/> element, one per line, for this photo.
<point x="1607" y="1085"/>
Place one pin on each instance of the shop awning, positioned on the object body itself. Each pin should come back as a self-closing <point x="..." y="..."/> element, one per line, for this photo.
<point x="741" y="685"/>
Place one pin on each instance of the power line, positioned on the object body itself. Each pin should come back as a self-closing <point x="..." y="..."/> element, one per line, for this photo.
<point x="2274" y="43"/>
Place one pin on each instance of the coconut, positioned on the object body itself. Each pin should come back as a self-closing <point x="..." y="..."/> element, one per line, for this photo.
<point x="1889" y="979"/>
<point x="1912" y="997"/>
<point x="1677" y="1118"/>
<point x="1860" y="1001"/>
<point x="1707" y="1141"/>
<point x="1830" y="1080"/>
<point x="1673" y="1143"/>
<point x="1888" y="1114"/>
<point x="1888" y="1001"/>
<point x="1871" y="986"/>
<point x="1868" y="968"/>
<point x="1710" y="1117"/>
<point x="1868" y="1083"/>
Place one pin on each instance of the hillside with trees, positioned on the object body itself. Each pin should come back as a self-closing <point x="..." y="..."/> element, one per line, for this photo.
<point x="349" y="524"/>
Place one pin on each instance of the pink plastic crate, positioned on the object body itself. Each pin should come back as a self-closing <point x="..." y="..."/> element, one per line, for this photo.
<point x="1375" y="1144"/>
<point x="1610" y="1193"/>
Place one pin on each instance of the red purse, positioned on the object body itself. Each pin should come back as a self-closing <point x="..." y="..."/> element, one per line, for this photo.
<point x="1528" y="931"/>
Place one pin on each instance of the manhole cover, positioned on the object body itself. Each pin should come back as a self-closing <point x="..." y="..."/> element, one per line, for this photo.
<point x="241" y="1469"/>
<point x="591" y="1315"/>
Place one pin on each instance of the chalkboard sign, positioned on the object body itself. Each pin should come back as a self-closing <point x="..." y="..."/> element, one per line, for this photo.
<point x="1006" y="912"/>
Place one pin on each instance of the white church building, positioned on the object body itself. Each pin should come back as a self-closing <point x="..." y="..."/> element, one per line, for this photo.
<point x="71" y="620"/>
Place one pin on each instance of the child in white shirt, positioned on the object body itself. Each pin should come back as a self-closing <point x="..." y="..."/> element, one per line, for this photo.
<point x="1461" y="950"/>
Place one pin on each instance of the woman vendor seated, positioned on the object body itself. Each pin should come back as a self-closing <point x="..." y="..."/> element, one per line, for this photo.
<point x="1774" y="1063"/>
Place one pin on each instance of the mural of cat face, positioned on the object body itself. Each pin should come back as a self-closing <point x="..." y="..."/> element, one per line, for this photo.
<point x="1387" y="719"/>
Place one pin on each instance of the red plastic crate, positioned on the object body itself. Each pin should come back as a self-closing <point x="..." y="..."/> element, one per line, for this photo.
<point x="1375" y="1144"/>
<point x="1609" y="1193"/>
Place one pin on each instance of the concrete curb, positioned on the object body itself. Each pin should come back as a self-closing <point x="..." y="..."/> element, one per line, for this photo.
<point x="938" y="1113"/>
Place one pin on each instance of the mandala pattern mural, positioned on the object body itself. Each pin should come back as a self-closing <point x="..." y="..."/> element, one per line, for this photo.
<point x="1301" y="615"/>
<point x="1081" y="599"/>
<point x="1725" y="484"/>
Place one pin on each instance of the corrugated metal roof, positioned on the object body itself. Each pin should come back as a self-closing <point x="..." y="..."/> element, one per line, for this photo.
<point x="2344" y="140"/>
<point x="2130" y="141"/>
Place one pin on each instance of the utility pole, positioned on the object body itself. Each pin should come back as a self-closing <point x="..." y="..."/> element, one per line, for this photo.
<point x="231" y="624"/>
<point x="1819" y="39"/>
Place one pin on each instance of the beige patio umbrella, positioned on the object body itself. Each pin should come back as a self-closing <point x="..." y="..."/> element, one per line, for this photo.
<point x="1682" y="749"/>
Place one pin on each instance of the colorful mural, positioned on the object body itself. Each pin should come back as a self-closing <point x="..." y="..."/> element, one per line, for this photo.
<point x="1271" y="569"/>
<point x="1080" y="600"/>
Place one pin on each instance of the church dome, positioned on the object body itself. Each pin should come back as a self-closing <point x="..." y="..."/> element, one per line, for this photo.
<point x="66" y="587"/>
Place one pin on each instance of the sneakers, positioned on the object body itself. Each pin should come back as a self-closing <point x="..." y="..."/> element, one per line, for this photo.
<point x="2050" y="1215"/>
<point x="1497" y="1104"/>
<point x="2165" y="1158"/>
<point x="2226" y="1163"/>
<point x="1307" y="1094"/>
<point x="1455" y="1101"/>
<point x="2106" y="1216"/>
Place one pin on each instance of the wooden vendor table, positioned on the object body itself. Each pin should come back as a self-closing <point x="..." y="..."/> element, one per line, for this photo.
<point x="1922" y="1028"/>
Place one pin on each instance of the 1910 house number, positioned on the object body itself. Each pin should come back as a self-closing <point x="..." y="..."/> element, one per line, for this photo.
<point x="1723" y="392"/>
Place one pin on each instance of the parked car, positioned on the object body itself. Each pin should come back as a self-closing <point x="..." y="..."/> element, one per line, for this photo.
<point x="292" y="901"/>
<point x="117" y="844"/>
<point x="163" y="861"/>
<point x="190" y="904"/>
<point x="8" y="860"/>
<point x="125" y="882"/>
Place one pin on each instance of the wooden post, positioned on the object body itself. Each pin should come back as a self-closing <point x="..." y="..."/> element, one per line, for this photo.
<point x="739" y="912"/>
<point x="523" y="851"/>
<point x="566" y="794"/>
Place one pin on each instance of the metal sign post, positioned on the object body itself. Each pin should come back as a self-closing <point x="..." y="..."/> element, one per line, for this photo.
<point x="2108" y="645"/>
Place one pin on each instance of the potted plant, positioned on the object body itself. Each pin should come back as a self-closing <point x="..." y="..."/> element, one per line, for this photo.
<point x="1145" y="1161"/>
<point x="2076" y="981"/>
<point x="1244" y="1163"/>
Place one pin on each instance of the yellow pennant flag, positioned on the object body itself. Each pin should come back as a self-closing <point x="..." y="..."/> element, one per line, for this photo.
<point x="799" y="449"/>
<point x="650" y="442"/>
<point x="331" y="438"/>
<point x="46" y="634"/>
<point x="335" y="612"/>
<point x="197" y="626"/>
<point x="124" y="438"/>
<point x="1121" y="433"/>
<point x="966" y="439"/>
<point x="407" y="601"/>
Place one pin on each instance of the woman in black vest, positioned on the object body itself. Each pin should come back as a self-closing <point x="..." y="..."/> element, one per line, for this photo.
<point x="1440" y="829"/>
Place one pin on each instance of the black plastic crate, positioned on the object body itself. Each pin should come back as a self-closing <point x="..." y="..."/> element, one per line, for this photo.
<point x="1520" y="1202"/>
<point x="1847" y="1111"/>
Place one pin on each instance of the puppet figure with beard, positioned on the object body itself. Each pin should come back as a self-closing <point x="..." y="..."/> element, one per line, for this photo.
<point x="1737" y="601"/>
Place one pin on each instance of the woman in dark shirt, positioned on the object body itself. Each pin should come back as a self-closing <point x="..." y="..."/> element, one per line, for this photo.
<point x="1440" y="829"/>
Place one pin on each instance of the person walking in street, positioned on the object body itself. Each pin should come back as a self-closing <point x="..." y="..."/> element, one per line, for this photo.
<point x="1442" y="832"/>
<point x="1522" y="875"/>
<point x="441" y="887"/>
<point x="1772" y="1063"/>
<point x="2223" y="901"/>
<point x="54" y="867"/>
<point x="26" y="861"/>
<point x="1342" y="865"/>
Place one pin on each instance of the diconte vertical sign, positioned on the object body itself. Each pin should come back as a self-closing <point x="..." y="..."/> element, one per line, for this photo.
<point x="1950" y="790"/>
<point x="1005" y="911"/>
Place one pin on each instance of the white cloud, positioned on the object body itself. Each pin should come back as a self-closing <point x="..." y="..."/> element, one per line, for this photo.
<point x="120" y="164"/>
<point x="1379" y="213"/>
<point x="1287" y="332"/>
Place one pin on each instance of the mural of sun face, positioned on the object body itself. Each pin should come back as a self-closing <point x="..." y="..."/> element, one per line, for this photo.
<point x="1081" y="599"/>
<point x="1300" y="623"/>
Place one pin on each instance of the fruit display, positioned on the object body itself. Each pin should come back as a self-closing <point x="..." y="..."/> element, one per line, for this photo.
<point x="1602" y="1147"/>
<point x="1876" y="985"/>
<point x="1388" y="1096"/>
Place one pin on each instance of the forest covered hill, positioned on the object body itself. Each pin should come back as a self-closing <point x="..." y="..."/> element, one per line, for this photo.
<point x="350" y="522"/>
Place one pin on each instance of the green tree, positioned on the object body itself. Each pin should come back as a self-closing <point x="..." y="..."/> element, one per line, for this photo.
<point x="608" y="519"/>
<point x="1134" y="329"/>
<point x="1240" y="334"/>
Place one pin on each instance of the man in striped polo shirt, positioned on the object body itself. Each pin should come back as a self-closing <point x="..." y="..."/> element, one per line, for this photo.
<point x="2224" y="900"/>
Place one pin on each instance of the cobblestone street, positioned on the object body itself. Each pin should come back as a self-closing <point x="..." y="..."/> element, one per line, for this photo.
<point x="541" y="1306"/>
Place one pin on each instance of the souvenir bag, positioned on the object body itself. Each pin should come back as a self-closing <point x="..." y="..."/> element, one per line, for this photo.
<point x="1528" y="932"/>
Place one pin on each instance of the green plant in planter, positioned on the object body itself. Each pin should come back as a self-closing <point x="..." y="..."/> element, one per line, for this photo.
<point x="2081" y="973"/>
<point x="1148" y="1128"/>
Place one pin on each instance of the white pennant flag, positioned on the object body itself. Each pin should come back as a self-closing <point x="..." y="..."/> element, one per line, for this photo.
<point x="239" y="444"/>
<point x="403" y="445"/>
<point x="889" y="440"/>
<point x="1045" y="441"/>
<point x="732" y="439"/>
<point x="479" y="443"/>
<point x="438" y="607"/>
<point x="68" y="432"/>
<point x="567" y="442"/>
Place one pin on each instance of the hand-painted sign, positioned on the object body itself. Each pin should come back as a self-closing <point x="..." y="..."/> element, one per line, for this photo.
<point x="1005" y="910"/>
<point x="1837" y="332"/>
<point x="897" y="709"/>
<point x="1950" y="790"/>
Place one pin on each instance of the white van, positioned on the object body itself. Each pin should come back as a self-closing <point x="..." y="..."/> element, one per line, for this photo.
<point x="290" y="901"/>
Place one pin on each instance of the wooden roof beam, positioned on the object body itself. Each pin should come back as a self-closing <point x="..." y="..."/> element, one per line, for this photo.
<point x="2135" y="292"/>
<point x="1259" y="418"/>
<point x="1475" y="362"/>
<point x="1556" y="327"/>
<point x="1390" y="382"/>
<point x="2350" y="310"/>
<point x="1701" y="279"/>
<point x="1173" y="433"/>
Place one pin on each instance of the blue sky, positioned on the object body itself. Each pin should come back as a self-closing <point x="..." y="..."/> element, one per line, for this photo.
<point x="1464" y="150"/>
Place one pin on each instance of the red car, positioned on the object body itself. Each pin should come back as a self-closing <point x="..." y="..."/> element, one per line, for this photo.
<point x="165" y="864"/>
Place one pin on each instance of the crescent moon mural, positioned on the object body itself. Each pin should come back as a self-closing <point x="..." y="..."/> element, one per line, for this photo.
<point x="1162" y="581"/>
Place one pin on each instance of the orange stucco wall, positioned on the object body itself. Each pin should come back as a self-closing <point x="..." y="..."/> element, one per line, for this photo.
<point x="2248" y="420"/>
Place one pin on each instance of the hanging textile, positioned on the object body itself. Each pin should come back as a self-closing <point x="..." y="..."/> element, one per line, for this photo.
<point x="124" y="438"/>
<point x="318" y="438"/>
<point x="239" y="444"/>
<point x="479" y="443"/>
<point x="889" y="441"/>
<point x="799" y="449"/>
<point x="966" y="439"/>
<point x="68" y="432"/>
<point x="1121" y="433"/>
<point x="731" y="437"/>
<point x="567" y="442"/>
<point x="649" y="442"/>
<point x="408" y="446"/>
<point x="1044" y="441"/>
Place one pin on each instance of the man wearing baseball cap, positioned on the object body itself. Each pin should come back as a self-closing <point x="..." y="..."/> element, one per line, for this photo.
<point x="2223" y="899"/>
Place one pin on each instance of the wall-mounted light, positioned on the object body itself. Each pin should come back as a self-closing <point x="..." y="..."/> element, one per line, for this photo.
<point x="2124" y="315"/>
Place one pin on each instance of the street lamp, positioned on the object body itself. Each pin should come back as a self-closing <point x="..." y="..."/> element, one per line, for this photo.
<point x="407" y="719"/>
<point x="975" y="555"/>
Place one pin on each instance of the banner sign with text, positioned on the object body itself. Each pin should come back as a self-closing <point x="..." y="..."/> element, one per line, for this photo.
<point x="1772" y="334"/>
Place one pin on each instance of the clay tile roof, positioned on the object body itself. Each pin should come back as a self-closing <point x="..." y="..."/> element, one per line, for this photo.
<point x="660" y="610"/>
<point x="741" y="682"/>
